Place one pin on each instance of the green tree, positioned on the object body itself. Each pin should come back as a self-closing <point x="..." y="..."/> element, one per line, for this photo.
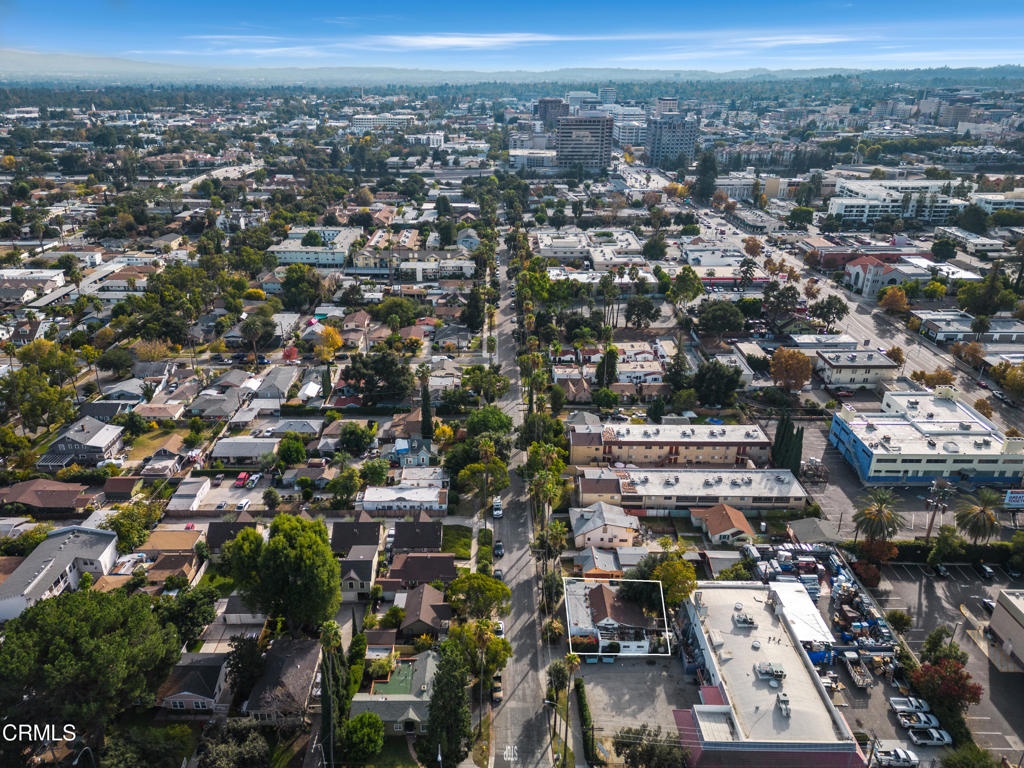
<point x="190" y="611"/>
<point x="363" y="737"/>
<point x="292" y="451"/>
<point x="271" y="499"/>
<point x="974" y="219"/>
<point x="294" y="575"/>
<point x="678" y="579"/>
<point x="707" y="173"/>
<point x="312" y="239"/>
<point x="715" y="382"/>
<point x="84" y="657"/>
<point x="375" y="471"/>
<point x="686" y="286"/>
<point x="800" y="217"/>
<point x="449" y="723"/>
<point x="939" y="646"/>
<point x="899" y="620"/>
<point x="948" y="546"/>
<point x="345" y="486"/>
<point x="479" y="596"/>
<point x="641" y="311"/>
<point x="302" y="288"/>
<point x="943" y="249"/>
<point x="490" y="418"/>
<point x="720" y="317"/>
<point x="132" y="524"/>
<point x="245" y="664"/>
<point x="645" y="747"/>
<point x="605" y="398"/>
<point x="969" y="755"/>
<point x="116" y="359"/>
<point x="829" y="310"/>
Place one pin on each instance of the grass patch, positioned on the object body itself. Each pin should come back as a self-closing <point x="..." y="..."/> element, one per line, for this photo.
<point x="145" y="444"/>
<point x="224" y="585"/>
<point x="485" y="537"/>
<point x="482" y="746"/>
<point x="685" y="527"/>
<point x="457" y="539"/>
<point x="284" y="753"/>
<point x="556" y="749"/>
<point x="395" y="754"/>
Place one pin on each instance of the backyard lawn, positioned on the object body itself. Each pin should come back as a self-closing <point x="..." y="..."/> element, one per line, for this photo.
<point x="457" y="539"/>
<point x="146" y="444"/>
<point x="394" y="755"/>
<point x="224" y="585"/>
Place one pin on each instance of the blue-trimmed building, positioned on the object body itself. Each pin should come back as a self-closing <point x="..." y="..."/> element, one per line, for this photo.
<point x="918" y="437"/>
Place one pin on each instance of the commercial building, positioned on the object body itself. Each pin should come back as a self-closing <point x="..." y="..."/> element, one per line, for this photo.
<point x="399" y="501"/>
<point x="969" y="241"/>
<point x="673" y="492"/>
<point x="585" y="140"/>
<point x="1000" y="201"/>
<point x="951" y="325"/>
<point x="670" y="135"/>
<point x="665" y="104"/>
<point x="532" y="159"/>
<point x="918" y="437"/>
<point x="549" y="109"/>
<point x="668" y="444"/>
<point x="762" y="704"/>
<point x="55" y="565"/>
<point x="607" y="95"/>
<point x="629" y="133"/>
<point x="1007" y="622"/>
<point x="854" y="369"/>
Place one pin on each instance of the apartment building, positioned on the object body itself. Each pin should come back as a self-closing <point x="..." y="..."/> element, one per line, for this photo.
<point x="1000" y="201"/>
<point x="951" y="325"/>
<point x="918" y="437"/>
<point x="868" y="200"/>
<point x="854" y="369"/>
<point x="586" y="140"/>
<point x="668" y="444"/>
<point x="969" y="241"/>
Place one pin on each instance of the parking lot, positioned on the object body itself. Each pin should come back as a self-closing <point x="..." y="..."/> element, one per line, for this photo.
<point x="956" y="602"/>
<point x="230" y="496"/>
<point x="634" y="691"/>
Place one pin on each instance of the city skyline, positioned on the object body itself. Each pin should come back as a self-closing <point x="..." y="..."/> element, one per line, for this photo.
<point x="531" y="36"/>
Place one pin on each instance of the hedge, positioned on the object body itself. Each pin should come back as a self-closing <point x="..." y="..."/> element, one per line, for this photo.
<point x="998" y="552"/>
<point x="586" y="724"/>
<point x="356" y="661"/>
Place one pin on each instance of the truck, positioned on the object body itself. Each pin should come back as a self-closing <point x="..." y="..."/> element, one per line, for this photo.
<point x="900" y="704"/>
<point x="858" y="672"/>
<point x="896" y="758"/>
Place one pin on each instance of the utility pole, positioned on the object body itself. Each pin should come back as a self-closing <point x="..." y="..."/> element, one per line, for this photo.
<point x="936" y="502"/>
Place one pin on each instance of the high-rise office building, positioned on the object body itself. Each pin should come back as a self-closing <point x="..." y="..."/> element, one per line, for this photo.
<point x="665" y="104"/>
<point x="607" y="95"/>
<point x="670" y="135"/>
<point x="548" y="109"/>
<point x="585" y="139"/>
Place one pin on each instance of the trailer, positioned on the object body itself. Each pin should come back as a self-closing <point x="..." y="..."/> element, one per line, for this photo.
<point x="858" y="672"/>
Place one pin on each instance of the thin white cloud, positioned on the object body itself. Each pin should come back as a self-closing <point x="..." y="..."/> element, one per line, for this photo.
<point x="236" y="38"/>
<point x="791" y="40"/>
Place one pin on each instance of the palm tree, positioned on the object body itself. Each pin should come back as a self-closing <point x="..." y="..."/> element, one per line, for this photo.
<point x="423" y="374"/>
<point x="976" y="515"/>
<point x="483" y="633"/>
<point x="546" y="488"/>
<point x="572" y="663"/>
<point x="877" y="517"/>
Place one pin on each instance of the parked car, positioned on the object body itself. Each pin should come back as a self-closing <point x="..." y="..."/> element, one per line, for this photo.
<point x="982" y="384"/>
<point x="989" y="605"/>
<point x="240" y="480"/>
<point x="499" y="628"/>
<point x="1014" y="572"/>
<point x="218" y="479"/>
<point x="917" y="720"/>
<point x="243" y="504"/>
<point x="908" y="704"/>
<point x="222" y="505"/>
<point x="986" y="571"/>
<point x="942" y="571"/>
<point x="496" y="512"/>
<point x="497" y="694"/>
<point x="896" y="758"/>
<point x="111" y="463"/>
<point x="930" y="737"/>
<point x="499" y="548"/>
<point x="499" y="575"/>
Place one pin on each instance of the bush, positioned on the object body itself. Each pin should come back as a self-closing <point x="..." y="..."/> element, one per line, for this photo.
<point x="584" y="644"/>
<point x="869" y="574"/>
<point x="356" y="659"/>
<point x="899" y="620"/>
<point x="586" y="723"/>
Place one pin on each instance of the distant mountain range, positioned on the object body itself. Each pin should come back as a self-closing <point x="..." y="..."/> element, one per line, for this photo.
<point x="36" y="68"/>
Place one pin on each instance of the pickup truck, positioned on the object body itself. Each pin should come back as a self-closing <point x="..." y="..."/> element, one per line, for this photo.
<point x="930" y="737"/>
<point x="896" y="758"/>
<point x="917" y="720"/>
<point x="908" y="704"/>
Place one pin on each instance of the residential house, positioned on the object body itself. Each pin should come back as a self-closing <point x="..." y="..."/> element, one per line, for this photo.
<point x="722" y="523"/>
<point x="320" y="475"/>
<point x="304" y="427"/>
<point x="282" y="694"/>
<point x="423" y="477"/>
<point x="357" y="321"/>
<point x="602" y="525"/>
<point x="452" y="338"/>
<point x="55" y="565"/>
<point x="47" y="497"/>
<point x="594" y="563"/>
<point x="468" y="239"/>
<point x="170" y="542"/>
<point x="189" y="495"/>
<point x="410" y="570"/>
<point x="86" y="442"/>
<point x="358" y="570"/>
<point x="167" y="458"/>
<point x="363" y="531"/>
<point x="403" y="707"/>
<point x="854" y="369"/>
<point x="244" y="450"/>
<point x="220" y="533"/>
<point x="106" y="410"/>
<point x="420" y="535"/>
<point x="426" y="613"/>
<point x="399" y="500"/>
<point x="411" y="452"/>
<point x="277" y="382"/>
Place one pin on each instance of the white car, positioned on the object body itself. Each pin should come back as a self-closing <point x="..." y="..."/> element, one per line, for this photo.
<point x="111" y="463"/>
<point x="499" y="628"/>
<point x="496" y="512"/>
<point x="930" y="737"/>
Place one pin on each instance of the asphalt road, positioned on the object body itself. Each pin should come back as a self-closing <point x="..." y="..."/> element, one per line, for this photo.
<point x="520" y="722"/>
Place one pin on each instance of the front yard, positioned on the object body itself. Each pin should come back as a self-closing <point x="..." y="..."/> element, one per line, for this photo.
<point x="145" y="444"/>
<point x="457" y="539"/>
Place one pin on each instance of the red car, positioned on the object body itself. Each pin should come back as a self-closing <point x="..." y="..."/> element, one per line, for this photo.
<point x="844" y="393"/>
<point x="982" y="384"/>
<point x="240" y="480"/>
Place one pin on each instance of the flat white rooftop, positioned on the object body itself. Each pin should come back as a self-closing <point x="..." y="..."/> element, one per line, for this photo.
<point x="722" y="483"/>
<point x="672" y="433"/>
<point x="752" y="700"/>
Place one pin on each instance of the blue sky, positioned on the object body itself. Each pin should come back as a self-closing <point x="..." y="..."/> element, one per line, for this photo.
<point x="526" y="34"/>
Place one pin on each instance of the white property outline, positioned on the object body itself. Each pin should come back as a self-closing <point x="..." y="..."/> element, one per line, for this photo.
<point x="664" y="617"/>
